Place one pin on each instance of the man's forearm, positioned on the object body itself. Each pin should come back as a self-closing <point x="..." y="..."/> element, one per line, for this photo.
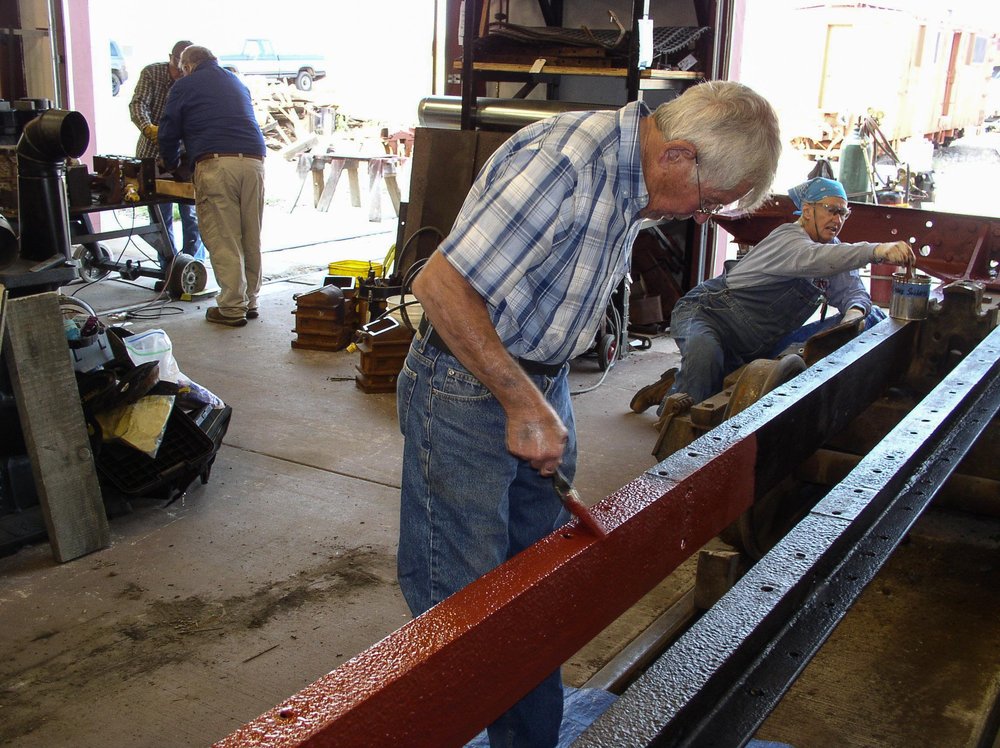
<point x="459" y="315"/>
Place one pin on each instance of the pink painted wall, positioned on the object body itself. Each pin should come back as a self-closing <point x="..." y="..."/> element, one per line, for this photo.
<point x="80" y="67"/>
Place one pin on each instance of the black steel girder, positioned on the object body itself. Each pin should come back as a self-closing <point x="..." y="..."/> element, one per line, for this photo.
<point x="719" y="682"/>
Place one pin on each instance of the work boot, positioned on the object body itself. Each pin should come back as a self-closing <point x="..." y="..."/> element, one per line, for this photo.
<point x="214" y="315"/>
<point x="653" y="394"/>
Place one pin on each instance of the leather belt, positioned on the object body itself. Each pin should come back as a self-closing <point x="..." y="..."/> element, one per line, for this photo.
<point x="206" y="156"/>
<point x="428" y="334"/>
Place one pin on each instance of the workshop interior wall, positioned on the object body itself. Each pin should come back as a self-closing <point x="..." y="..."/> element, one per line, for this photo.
<point x="37" y="45"/>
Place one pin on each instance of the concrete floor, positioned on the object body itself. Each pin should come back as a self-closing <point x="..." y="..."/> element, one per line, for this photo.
<point x="207" y="612"/>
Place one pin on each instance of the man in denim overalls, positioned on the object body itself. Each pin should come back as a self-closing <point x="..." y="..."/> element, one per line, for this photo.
<point x="756" y="307"/>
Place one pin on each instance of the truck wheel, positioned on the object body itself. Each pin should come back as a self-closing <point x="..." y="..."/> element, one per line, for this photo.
<point x="116" y="84"/>
<point x="304" y="81"/>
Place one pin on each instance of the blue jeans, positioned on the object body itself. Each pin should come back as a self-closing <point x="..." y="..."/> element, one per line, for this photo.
<point x="707" y="358"/>
<point x="191" y="238"/>
<point x="468" y="505"/>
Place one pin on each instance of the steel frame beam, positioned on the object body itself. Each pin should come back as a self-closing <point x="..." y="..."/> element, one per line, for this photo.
<point x="442" y="677"/>
<point x="949" y="246"/>
<point x="719" y="682"/>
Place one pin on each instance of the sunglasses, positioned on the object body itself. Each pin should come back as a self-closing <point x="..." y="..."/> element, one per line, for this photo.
<point x="835" y="210"/>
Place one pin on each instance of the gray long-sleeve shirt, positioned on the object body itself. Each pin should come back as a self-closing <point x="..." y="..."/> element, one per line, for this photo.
<point x="789" y="252"/>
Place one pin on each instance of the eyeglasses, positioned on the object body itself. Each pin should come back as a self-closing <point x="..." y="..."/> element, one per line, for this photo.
<point x="712" y="208"/>
<point x="835" y="210"/>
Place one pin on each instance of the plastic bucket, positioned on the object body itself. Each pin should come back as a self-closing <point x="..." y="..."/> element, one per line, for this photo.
<point x="356" y="268"/>
<point x="910" y="296"/>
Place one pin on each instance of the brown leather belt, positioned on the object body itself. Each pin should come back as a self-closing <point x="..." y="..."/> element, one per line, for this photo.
<point x="206" y="156"/>
<point x="531" y="367"/>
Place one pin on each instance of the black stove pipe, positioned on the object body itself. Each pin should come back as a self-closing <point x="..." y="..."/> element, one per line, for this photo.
<point x="42" y="205"/>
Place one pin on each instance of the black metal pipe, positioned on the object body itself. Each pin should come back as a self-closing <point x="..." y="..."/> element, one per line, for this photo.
<point x="43" y="208"/>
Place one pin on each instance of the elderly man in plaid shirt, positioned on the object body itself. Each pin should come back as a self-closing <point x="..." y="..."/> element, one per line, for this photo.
<point x="146" y="107"/>
<point x="516" y="290"/>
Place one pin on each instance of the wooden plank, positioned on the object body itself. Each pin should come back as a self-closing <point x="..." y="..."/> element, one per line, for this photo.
<point x="392" y="187"/>
<point x="174" y="188"/>
<point x="445" y="163"/>
<point x="374" y="191"/>
<point x="48" y="404"/>
<point x="352" y="179"/>
<point x="317" y="177"/>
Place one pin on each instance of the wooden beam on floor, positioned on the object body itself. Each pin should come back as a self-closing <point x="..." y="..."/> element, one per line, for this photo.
<point x="48" y="403"/>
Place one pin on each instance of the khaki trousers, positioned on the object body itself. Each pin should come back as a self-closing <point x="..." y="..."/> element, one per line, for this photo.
<point x="229" y="196"/>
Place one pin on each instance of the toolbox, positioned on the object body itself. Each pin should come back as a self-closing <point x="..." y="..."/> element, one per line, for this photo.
<point x="186" y="452"/>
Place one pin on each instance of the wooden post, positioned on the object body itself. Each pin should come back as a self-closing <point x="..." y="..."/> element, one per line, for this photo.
<point x="389" y="175"/>
<point x="375" y="190"/>
<point x="352" y="178"/>
<point x="717" y="572"/>
<point x="318" y="165"/>
<point x="48" y="403"/>
<point x="336" y="169"/>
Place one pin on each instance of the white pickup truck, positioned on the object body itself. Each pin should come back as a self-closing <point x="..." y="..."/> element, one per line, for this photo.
<point x="259" y="58"/>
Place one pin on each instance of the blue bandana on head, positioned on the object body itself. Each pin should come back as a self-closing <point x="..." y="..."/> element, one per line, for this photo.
<point x="815" y="190"/>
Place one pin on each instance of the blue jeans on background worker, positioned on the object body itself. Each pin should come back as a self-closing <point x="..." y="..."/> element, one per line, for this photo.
<point x="718" y="329"/>
<point x="468" y="505"/>
<point x="721" y="330"/>
<point x="190" y="236"/>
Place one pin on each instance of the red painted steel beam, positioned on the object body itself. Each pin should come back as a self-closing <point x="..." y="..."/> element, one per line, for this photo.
<point x="949" y="246"/>
<point x="442" y="677"/>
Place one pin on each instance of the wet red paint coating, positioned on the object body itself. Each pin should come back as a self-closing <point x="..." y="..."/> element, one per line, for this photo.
<point x="579" y="510"/>
<point x="442" y="677"/>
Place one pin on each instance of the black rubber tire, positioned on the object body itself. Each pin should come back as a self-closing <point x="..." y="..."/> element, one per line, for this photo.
<point x="304" y="81"/>
<point x="607" y="349"/>
<point x="87" y="255"/>
<point x="187" y="276"/>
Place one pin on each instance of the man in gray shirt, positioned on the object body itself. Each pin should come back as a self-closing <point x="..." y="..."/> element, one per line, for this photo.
<point x="745" y="313"/>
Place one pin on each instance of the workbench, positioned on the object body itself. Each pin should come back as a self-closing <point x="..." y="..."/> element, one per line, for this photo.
<point x="381" y="171"/>
<point x="97" y="258"/>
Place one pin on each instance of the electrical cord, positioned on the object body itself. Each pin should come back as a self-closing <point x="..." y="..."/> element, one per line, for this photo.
<point x="130" y="238"/>
<point x="406" y="245"/>
<point x="411" y="272"/>
<point x="144" y="311"/>
<point x="616" y="328"/>
<point x="140" y="312"/>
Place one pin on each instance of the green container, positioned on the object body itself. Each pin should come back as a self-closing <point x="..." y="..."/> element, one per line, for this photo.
<point x="854" y="168"/>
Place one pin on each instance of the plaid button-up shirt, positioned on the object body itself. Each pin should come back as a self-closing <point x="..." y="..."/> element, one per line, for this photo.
<point x="546" y="232"/>
<point x="147" y="104"/>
